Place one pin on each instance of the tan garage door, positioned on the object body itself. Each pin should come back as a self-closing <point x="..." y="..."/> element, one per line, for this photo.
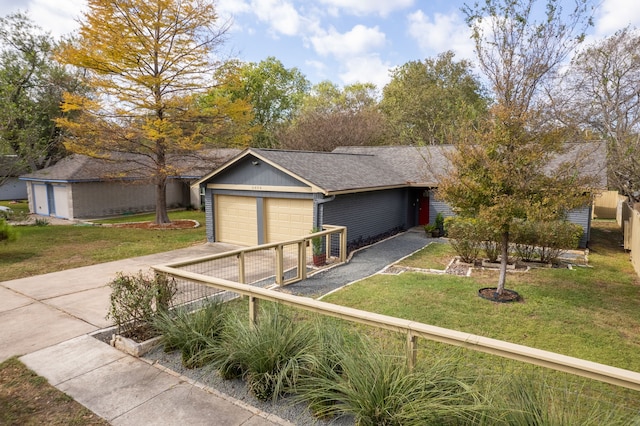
<point x="236" y="220"/>
<point x="287" y="219"/>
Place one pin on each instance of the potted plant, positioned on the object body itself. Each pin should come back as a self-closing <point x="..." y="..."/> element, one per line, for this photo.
<point x="319" y="255"/>
<point x="432" y="230"/>
<point x="440" y="224"/>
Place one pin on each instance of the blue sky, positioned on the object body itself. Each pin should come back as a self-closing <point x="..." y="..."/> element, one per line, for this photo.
<point x="344" y="41"/>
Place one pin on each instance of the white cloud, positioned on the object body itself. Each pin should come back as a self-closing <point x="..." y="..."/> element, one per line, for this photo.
<point x="58" y="18"/>
<point x="441" y="33"/>
<point x="366" y="7"/>
<point x="616" y="14"/>
<point x="281" y="15"/>
<point x="365" y="69"/>
<point x="358" y="40"/>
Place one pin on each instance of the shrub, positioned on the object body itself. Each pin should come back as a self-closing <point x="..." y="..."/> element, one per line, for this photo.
<point x="490" y="237"/>
<point x="41" y="221"/>
<point x="524" y="234"/>
<point x="192" y="332"/>
<point x="7" y="232"/>
<point x="464" y="237"/>
<point x="554" y="237"/>
<point x="268" y="355"/>
<point x="135" y="299"/>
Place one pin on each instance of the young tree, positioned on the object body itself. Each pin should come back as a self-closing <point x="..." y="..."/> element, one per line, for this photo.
<point x="505" y="171"/>
<point x="426" y="102"/>
<point x="599" y="95"/>
<point x="148" y="62"/>
<point x="31" y="87"/>
<point x="332" y="117"/>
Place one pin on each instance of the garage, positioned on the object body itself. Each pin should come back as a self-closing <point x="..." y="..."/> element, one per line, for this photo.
<point x="287" y="218"/>
<point x="236" y="219"/>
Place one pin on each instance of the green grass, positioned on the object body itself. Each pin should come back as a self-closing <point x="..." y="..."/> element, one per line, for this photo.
<point x="433" y="256"/>
<point x="44" y="249"/>
<point x="589" y="313"/>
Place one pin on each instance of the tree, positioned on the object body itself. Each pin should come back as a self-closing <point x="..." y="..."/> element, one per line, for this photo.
<point x="506" y="172"/>
<point x="31" y="87"/>
<point x="600" y="95"/>
<point x="332" y="117"/>
<point x="425" y="102"/>
<point x="276" y="94"/>
<point x="148" y="62"/>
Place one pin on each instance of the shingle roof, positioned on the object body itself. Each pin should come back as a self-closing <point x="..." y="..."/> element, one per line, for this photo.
<point x="335" y="172"/>
<point x="81" y="168"/>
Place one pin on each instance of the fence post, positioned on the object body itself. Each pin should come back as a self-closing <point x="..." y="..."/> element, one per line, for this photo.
<point x="412" y="350"/>
<point x="302" y="259"/>
<point x="279" y="264"/>
<point x="343" y="245"/>
<point x="241" y="268"/>
<point x="253" y="310"/>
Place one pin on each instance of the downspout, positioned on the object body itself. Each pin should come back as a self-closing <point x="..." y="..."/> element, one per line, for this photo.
<point x="320" y="209"/>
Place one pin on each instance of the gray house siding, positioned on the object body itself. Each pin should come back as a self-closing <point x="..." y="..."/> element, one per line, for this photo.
<point x="13" y="189"/>
<point x="436" y="206"/>
<point x="582" y="217"/>
<point x="260" y="174"/>
<point x="368" y="214"/>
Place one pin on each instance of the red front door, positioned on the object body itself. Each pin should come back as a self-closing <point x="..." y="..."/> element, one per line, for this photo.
<point x="423" y="217"/>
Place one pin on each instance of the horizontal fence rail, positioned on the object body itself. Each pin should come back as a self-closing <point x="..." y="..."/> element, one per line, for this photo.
<point x="413" y="330"/>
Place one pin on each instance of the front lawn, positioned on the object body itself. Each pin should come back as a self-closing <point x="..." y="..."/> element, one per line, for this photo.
<point x="586" y="312"/>
<point x="43" y="249"/>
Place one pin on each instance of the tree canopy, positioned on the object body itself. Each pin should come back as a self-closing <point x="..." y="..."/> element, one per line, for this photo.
<point x="331" y="116"/>
<point x="148" y="63"/>
<point x="427" y="101"/>
<point x="31" y="88"/>
<point x="599" y="95"/>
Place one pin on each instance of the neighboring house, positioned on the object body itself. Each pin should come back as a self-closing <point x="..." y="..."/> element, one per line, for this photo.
<point x="82" y="187"/>
<point x="263" y="196"/>
<point x="11" y="188"/>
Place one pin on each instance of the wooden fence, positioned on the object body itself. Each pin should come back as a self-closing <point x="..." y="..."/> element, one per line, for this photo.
<point x="413" y="330"/>
<point x="605" y="204"/>
<point x="629" y="219"/>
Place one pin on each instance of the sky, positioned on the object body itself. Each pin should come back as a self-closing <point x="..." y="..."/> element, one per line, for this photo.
<point x="344" y="41"/>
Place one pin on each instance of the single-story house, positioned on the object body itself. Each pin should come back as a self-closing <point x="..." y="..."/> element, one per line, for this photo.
<point x="11" y="187"/>
<point x="82" y="187"/>
<point x="262" y="196"/>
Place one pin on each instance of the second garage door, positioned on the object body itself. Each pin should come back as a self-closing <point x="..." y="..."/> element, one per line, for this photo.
<point x="287" y="219"/>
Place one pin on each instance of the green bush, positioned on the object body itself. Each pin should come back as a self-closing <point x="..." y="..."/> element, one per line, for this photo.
<point x="464" y="237"/>
<point x="524" y="235"/>
<point x="135" y="299"/>
<point x="268" y="355"/>
<point x="192" y="332"/>
<point x="555" y="237"/>
<point x="7" y="232"/>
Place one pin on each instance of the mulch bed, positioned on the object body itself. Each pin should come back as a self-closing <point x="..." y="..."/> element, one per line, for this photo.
<point x="507" y="295"/>
<point x="176" y="224"/>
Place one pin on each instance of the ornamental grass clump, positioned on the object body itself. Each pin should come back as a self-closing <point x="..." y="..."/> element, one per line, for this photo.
<point x="532" y="397"/>
<point x="192" y="332"/>
<point x="377" y="388"/>
<point x="268" y="355"/>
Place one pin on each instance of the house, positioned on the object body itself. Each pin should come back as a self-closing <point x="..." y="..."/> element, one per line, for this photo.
<point x="81" y="187"/>
<point x="263" y="196"/>
<point x="11" y="188"/>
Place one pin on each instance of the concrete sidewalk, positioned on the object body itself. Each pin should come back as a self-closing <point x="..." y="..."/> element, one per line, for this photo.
<point x="47" y="319"/>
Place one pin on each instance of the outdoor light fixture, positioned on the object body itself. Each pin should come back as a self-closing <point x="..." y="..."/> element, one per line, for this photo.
<point x="255" y="162"/>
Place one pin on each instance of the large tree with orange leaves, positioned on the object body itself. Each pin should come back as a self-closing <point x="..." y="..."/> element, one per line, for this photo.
<point x="150" y="65"/>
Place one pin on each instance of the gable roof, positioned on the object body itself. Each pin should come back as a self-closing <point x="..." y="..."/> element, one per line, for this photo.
<point x="120" y="166"/>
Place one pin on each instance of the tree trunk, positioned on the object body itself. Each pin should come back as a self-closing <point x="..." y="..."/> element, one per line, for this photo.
<point x="161" y="201"/>
<point x="503" y="262"/>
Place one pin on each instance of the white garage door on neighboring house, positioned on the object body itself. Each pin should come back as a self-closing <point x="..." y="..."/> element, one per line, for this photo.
<point x="236" y="219"/>
<point x="287" y="218"/>
<point x="61" y="201"/>
<point x="40" y="199"/>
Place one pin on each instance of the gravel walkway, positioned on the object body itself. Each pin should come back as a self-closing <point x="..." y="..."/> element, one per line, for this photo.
<point x="364" y="262"/>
